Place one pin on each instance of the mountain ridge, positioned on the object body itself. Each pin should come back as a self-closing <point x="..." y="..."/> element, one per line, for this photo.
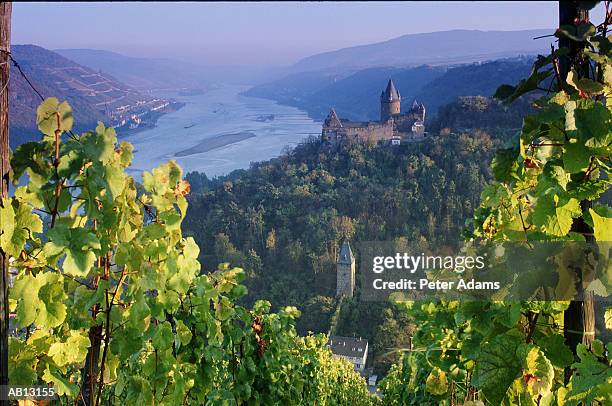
<point x="141" y="73"/>
<point x="439" y="48"/>
<point x="356" y="96"/>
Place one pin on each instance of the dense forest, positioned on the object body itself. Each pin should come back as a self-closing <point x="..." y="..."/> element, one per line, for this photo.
<point x="282" y="220"/>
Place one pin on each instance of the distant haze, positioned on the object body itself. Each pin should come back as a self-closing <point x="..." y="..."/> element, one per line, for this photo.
<point x="258" y="33"/>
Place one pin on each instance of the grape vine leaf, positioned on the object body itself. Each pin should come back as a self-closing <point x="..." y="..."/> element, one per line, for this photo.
<point x="78" y="244"/>
<point x="52" y="115"/>
<point x="497" y="365"/>
<point x="602" y="226"/>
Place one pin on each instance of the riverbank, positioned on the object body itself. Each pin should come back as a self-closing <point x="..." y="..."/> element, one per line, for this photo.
<point x="149" y="121"/>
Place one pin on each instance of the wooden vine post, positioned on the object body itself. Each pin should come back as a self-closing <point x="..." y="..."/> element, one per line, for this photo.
<point x="579" y="318"/>
<point x="5" y="48"/>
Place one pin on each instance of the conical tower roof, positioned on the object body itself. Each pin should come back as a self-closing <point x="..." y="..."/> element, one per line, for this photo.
<point x="391" y="93"/>
<point x="332" y="119"/>
<point x="416" y="106"/>
<point x="346" y="254"/>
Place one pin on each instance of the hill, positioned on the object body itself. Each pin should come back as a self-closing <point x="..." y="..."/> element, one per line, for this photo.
<point x="140" y="73"/>
<point x="435" y="48"/>
<point x="93" y="95"/>
<point x="154" y="74"/>
<point x="356" y="96"/>
<point x="477" y="79"/>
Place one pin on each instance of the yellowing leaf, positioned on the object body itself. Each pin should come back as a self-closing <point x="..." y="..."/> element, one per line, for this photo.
<point x="602" y="226"/>
<point x="437" y="383"/>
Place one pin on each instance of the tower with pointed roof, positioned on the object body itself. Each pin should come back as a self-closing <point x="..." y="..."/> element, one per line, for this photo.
<point x="345" y="271"/>
<point x="393" y="128"/>
<point x="390" y="102"/>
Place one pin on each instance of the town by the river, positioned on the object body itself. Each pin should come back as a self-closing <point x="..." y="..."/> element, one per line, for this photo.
<point x="220" y="131"/>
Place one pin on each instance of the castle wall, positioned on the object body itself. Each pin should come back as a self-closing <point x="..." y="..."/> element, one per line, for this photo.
<point x="377" y="132"/>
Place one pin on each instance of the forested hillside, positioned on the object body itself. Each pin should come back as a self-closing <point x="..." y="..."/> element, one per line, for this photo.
<point x="356" y="96"/>
<point x="282" y="220"/>
<point x="478" y="79"/>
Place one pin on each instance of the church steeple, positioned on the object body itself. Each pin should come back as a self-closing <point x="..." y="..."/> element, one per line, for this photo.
<point x="390" y="102"/>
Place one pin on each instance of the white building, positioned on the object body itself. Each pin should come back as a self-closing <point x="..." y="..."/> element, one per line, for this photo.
<point x="354" y="350"/>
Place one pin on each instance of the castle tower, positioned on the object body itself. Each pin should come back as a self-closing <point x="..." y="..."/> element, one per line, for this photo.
<point x="332" y="123"/>
<point x="390" y="102"/>
<point x="345" y="271"/>
<point x="418" y="110"/>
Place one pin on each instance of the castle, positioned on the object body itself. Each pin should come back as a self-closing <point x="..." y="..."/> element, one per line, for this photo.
<point x="393" y="127"/>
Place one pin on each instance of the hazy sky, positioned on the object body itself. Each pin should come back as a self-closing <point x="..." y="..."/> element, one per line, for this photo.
<point x="257" y="32"/>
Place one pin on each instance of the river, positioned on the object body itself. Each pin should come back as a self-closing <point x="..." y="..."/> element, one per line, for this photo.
<point x="220" y="131"/>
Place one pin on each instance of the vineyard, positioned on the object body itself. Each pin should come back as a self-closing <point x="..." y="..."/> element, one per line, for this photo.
<point x="111" y="305"/>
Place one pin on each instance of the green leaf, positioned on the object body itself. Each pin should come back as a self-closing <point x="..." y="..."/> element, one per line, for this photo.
<point x="589" y="190"/>
<point x="497" y="366"/>
<point x="576" y="157"/>
<point x="139" y="391"/>
<point x="504" y="92"/>
<point x="25" y="292"/>
<point x="505" y="164"/>
<point x="139" y="313"/>
<point x="590" y="380"/>
<point x="52" y="115"/>
<point x="70" y="162"/>
<point x="78" y="244"/>
<point x="556" y="351"/>
<point x="18" y="225"/>
<point x="52" y="310"/>
<point x="163" y="337"/>
<point x="40" y="299"/>
<point x="508" y="314"/>
<point x="593" y="123"/>
<point x="579" y="33"/>
<point x="62" y="385"/>
<point x="183" y="332"/>
<point x="115" y="178"/>
<point x="127" y="342"/>
<point x="72" y="351"/>
<point x="7" y="218"/>
<point x="556" y="216"/>
<point x="556" y="174"/>
<point x="32" y="157"/>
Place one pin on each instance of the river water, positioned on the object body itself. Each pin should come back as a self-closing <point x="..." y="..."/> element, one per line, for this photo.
<point x="255" y="129"/>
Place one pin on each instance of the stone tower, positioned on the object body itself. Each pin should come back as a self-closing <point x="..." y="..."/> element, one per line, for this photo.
<point x="390" y="102"/>
<point x="345" y="271"/>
